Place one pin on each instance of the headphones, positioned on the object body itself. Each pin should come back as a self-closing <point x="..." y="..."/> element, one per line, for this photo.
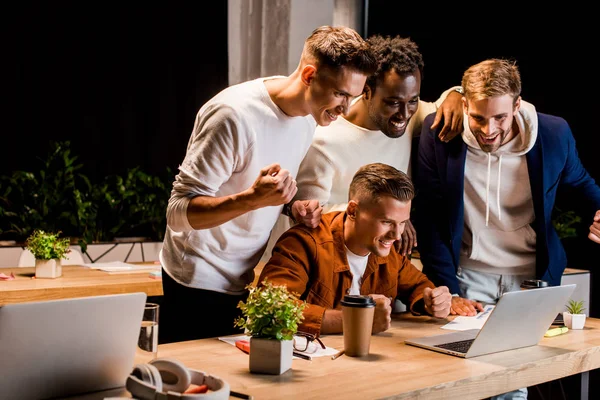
<point x="167" y="378"/>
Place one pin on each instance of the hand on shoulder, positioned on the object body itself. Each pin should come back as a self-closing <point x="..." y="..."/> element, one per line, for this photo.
<point x="307" y="212"/>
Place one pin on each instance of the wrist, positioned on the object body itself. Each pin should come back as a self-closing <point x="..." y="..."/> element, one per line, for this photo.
<point x="247" y="199"/>
<point x="287" y="210"/>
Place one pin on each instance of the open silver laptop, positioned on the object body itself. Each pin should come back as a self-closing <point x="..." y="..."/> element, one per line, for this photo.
<point x="520" y="319"/>
<point x="59" y="348"/>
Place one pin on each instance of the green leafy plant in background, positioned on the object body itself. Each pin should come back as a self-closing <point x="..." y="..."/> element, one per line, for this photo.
<point x="270" y="312"/>
<point x="47" y="245"/>
<point x="575" y="307"/>
<point x="131" y="205"/>
<point x="54" y="197"/>
<point x="565" y="223"/>
<point x="59" y="197"/>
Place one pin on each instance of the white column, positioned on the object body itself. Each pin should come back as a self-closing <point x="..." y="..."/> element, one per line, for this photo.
<point x="266" y="36"/>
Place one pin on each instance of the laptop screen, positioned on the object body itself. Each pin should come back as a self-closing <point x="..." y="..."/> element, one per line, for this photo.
<point x="64" y="347"/>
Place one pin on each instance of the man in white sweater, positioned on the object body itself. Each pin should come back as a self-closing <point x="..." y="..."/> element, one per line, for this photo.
<point x="238" y="173"/>
<point x="379" y="128"/>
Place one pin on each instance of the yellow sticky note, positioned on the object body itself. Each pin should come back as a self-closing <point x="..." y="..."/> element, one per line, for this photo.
<point x="556" y="331"/>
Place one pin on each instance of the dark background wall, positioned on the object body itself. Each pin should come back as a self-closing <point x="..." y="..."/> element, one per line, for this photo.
<point x="121" y="82"/>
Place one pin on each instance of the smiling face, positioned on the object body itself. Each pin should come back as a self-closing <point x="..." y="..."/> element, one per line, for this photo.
<point x="393" y="102"/>
<point x="375" y="224"/>
<point x="331" y="91"/>
<point x="491" y="120"/>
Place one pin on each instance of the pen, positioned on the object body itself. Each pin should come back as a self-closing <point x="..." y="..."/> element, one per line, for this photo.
<point x="483" y="313"/>
<point x="240" y="395"/>
<point x="304" y="356"/>
<point x="337" y="355"/>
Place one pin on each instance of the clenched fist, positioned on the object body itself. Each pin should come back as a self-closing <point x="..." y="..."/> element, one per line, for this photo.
<point x="438" y="301"/>
<point x="382" y="320"/>
<point x="273" y="187"/>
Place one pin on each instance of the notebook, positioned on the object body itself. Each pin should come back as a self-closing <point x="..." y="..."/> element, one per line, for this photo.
<point x="519" y="319"/>
<point x="60" y="348"/>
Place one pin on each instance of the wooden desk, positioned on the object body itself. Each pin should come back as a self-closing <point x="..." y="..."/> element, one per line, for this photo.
<point x="395" y="370"/>
<point x="75" y="281"/>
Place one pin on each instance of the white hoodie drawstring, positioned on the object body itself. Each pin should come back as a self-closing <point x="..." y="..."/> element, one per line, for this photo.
<point x="487" y="189"/>
<point x="498" y="189"/>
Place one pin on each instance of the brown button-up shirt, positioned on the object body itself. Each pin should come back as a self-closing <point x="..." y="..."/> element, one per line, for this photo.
<point x="313" y="263"/>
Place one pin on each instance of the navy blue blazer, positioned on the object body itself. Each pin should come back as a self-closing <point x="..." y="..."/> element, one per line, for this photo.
<point x="552" y="162"/>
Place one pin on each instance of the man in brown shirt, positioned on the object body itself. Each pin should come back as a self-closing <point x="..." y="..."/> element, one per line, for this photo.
<point x="352" y="252"/>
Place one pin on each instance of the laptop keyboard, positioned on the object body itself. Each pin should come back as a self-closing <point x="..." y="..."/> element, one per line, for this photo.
<point x="461" y="346"/>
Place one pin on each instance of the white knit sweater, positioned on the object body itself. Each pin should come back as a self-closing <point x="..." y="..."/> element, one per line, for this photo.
<point x="236" y="133"/>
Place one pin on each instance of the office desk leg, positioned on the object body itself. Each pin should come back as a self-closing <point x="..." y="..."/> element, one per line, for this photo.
<point x="585" y="385"/>
<point x="131" y="249"/>
<point x="93" y="260"/>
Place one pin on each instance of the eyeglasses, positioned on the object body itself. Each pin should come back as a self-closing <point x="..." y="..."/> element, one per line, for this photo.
<point x="305" y="342"/>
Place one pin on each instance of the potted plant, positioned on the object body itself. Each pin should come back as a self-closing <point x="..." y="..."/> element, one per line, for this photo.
<point x="574" y="317"/>
<point x="270" y="316"/>
<point x="48" y="250"/>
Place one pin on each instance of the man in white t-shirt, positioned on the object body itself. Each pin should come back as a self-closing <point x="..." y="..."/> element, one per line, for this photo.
<point x="237" y="175"/>
<point x="379" y="128"/>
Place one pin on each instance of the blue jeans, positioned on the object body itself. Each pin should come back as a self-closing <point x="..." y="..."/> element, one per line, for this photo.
<point x="487" y="288"/>
<point x="514" y="395"/>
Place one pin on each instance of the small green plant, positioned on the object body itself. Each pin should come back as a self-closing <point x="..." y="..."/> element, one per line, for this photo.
<point x="575" y="307"/>
<point x="47" y="246"/>
<point x="271" y="312"/>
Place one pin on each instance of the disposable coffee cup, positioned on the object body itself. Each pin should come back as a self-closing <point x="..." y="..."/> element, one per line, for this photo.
<point x="357" y="318"/>
<point x="533" y="284"/>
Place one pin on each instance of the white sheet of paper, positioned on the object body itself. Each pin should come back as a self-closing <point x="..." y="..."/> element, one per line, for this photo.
<point x="476" y="322"/>
<point x="328" y="351"/>
<point x="120" y="266"/>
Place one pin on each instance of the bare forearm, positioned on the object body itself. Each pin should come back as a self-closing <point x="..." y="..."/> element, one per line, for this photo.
<point x="205" y="212"/>
<point x="332" y="322"/>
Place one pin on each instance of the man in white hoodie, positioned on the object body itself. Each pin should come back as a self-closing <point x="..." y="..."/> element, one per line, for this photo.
<point x="484" y="204"/>
<point x="238" y="172"/>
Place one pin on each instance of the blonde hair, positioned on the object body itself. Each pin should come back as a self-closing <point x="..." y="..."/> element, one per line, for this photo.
<point x="337" y="47"/>
<point x="490" y="78"/>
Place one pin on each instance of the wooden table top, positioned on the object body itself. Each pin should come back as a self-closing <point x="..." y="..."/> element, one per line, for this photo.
<point x="76" y="281"/>
<point x="395" y="370"/>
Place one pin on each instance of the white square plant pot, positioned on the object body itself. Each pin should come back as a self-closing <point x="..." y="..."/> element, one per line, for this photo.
<point x="574" y="321"/>
<point x="48" y="268"/>
<point x="270" y="356"/>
